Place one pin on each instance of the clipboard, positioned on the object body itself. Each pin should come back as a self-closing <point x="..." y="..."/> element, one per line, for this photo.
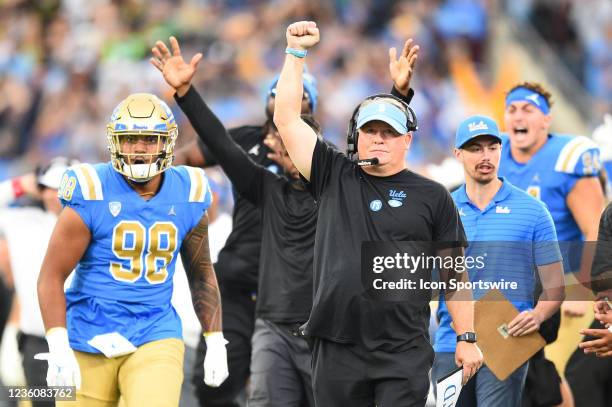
<point x="503" y="353"/>
<point x="448" y="388"/>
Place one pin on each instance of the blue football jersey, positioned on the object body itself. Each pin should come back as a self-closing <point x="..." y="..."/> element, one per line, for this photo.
<point x="550" y="176"/>
<point x="123" y="282"/>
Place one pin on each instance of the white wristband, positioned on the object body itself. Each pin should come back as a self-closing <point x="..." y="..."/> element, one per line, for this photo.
<point x="57" y="339"/>
<point x="214" y="339"/>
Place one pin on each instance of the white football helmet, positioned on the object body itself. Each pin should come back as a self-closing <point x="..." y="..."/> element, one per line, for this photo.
<point x="138" y="123"/>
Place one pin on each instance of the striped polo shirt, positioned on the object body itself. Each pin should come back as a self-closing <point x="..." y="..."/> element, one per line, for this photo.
<point x="512" y="236"/>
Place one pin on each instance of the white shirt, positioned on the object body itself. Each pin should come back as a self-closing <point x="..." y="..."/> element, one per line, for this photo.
<point x="27" y="232"/>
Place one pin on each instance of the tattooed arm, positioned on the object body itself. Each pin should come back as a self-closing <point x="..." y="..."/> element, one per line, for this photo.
<point x="206" y="301"/>
<point x="201" y="275"/>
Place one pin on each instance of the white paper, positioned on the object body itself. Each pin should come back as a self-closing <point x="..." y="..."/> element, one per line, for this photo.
<point x="448" y="388"/>
<point x="112" y="344"/>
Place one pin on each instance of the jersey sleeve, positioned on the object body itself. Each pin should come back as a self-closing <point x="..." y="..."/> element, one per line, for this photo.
<point x="199" y="194"/>
<point x="579" y="157"/>
<point x="326" y="164"/>
<point x="81" y="185"/>
<point x="546" y="247"/>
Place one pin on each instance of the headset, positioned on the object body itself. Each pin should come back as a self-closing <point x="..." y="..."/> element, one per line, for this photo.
<point x="352" y="133"/>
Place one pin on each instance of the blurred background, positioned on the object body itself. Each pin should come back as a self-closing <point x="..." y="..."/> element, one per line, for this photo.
<point x="65" y="64"/>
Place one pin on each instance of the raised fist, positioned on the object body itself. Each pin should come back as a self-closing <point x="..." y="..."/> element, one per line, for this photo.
<point x="302" y="35"/>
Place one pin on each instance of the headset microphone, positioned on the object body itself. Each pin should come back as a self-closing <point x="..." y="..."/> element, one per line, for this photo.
<point x="367" y="162"/>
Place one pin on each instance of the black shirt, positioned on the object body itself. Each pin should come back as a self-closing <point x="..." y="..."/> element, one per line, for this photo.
<point x="341" y="311"/>
<point x="238" y="261"/>
<point x="288" y="219"/>
<point x="601" y="272"/>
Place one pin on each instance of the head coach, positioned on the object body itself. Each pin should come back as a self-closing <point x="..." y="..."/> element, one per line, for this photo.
<point x="367" y="352"/>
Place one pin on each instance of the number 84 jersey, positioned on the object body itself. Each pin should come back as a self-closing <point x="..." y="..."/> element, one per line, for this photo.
<point x="123" y="282"/>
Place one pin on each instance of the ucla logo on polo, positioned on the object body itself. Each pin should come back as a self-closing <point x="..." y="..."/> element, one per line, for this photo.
<point x="397" y="198"/>
<point x="376" y="205"/>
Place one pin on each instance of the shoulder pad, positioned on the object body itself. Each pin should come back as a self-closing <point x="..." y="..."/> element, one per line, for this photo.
<point x="580" y="156"/>
<point x="199" y="189"/>
<point x="81" y="181"/>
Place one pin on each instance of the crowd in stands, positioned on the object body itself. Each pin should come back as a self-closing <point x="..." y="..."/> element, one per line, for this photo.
<point x="65" y="63"/>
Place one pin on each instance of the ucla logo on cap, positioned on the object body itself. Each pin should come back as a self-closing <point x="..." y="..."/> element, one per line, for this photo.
<point x="481" y="125"/>
<point x="376" y="205"/>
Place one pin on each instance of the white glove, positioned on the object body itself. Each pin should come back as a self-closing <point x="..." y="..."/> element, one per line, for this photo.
<point x="215" y="361"/>
<point x="63" y="367"/>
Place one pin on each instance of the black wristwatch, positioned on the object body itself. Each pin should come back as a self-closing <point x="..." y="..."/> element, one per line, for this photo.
<point x="469" y="337"/>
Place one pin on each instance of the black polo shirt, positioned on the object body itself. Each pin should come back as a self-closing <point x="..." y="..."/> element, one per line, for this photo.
<point x="353" y="208"/>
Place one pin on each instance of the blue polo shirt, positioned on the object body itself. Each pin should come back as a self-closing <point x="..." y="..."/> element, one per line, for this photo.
<point x="512" y="236"/>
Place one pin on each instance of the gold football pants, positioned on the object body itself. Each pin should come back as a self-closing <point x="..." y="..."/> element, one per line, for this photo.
<point x="151" y="376"/>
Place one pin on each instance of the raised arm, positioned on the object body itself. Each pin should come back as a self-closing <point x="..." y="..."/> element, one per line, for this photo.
<point x="241" y="170"/>
<point x="298" y="137"/>
<point x="401" y="69"/>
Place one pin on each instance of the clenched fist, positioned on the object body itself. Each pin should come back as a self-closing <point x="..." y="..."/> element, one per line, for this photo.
<point x="302" y="35"/>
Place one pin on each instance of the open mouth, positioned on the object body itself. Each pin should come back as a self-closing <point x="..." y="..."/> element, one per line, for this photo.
<point x="520" y="130"/>
<point x="484" y="168"/>
<point x="139" y="160"/>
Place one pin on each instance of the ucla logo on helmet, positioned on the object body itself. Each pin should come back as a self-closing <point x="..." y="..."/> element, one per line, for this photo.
<point x="168" y="111"/>
<point x="115" y="114"/>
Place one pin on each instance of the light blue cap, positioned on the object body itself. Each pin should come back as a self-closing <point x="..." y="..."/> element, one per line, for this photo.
<point x="310" y="89"/>
<point x="474" y="126"/>
<point x="385" y="112"/>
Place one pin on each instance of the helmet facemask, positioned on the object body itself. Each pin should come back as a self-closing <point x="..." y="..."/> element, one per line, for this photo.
<point x="141" y="137"/>
<point x="141" y="157"/>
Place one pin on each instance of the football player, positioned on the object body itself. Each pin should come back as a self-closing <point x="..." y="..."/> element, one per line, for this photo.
<point x="114" y="332"/>
<point x="561" y="170"/>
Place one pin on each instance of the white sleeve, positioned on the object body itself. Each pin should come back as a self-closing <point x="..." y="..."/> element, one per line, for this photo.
<point x="7" y="195"/>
